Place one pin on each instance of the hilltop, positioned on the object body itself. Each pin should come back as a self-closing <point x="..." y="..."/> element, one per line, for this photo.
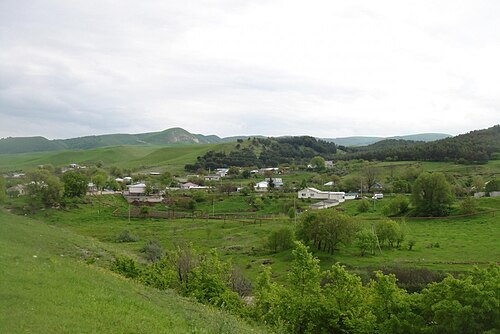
<point x="168" y="137"/>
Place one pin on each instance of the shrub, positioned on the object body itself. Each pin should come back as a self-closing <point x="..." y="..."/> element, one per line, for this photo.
<point x="126" y="266"/>
<point x="153" y="251"/>
<point x="364" y="205"/>
<point x="468" y="205"/>
<point x="126" y="236"/>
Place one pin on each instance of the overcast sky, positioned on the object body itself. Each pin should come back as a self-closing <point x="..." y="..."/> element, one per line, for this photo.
<point x="237" y="67"/>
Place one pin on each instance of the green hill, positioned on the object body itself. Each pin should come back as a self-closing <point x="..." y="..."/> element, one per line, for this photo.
<point x="28" y="144"/>
<point x="363" y="141"/>
<point x="45" y="287"/>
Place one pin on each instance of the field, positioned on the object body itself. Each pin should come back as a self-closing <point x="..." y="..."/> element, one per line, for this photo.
<point x="47" y="287"/>
<point x="137" y="158"/>
<point x="447" y="244"/>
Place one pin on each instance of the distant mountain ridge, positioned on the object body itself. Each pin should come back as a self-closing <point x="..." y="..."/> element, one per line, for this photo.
<point x="172" y="136"/>
<point x="364" y="141"/>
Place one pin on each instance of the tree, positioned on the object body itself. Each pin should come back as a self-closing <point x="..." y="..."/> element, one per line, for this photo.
<point x="75" y="184"/>
<point x="43" y="189"/>
<point x="280" y="240"/>
<point x="432" y="195"/>
<point x="478" y="183"/>
<point x="366" y="241"/>
<point x="469" y="205"/>
<point x="326" y="229"/>
<point x="397" y="206"/>
<point x="467" y="304"/>
<point x="389" y="231"/>
<point x="318" y="163"/>
<point x="370" y="174"/>
<point x="493" y="185"/>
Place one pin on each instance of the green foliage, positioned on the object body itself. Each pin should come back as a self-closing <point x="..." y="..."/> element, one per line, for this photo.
<point x="326" y="229"/>
<point x="398" y="205"/>
<point x="432" y="195"/>
<point x="43" y="189"/>
<point x="280" y="240"/>
<point x="493" y="185"/>
<point x="469" y="205"/>
<point x="366" y="241"/>
<point x="153" y="251"/>
<point x="126" y="236"/>
<point x="127" y="267"/>
<point x="364" y="205"/>
<point x="388" y="231"/>
<point x="467" y="304"/>
<point x="318" y="163"/>
<point x="75" y="184"/>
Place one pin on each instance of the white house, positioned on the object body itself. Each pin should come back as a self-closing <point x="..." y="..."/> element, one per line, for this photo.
<point x="261" y="186"/>
<point x="222" y="172"/>
<point x="318" y="194"/>
<point x="278" y="181"/>
<point x="137" y="189"/>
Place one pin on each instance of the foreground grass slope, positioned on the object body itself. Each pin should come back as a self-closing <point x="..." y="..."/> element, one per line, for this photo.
<point x="45" y="289"/>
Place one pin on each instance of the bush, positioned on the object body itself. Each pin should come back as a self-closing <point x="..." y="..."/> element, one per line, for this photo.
<point x="364" y="205"/>
<point x="126" y="236"/>
<point x="126" y="266"/>
<point x="468" y="205"/>
<point x="153" y="251"/>
<point x="397" y="206"/>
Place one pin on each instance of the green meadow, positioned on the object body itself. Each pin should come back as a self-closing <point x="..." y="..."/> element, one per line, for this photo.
<point x="444" y="244"/>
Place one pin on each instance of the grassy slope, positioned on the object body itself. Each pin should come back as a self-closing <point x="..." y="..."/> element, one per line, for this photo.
<point x="44" y="289"/>
<point x="172" y="158"/>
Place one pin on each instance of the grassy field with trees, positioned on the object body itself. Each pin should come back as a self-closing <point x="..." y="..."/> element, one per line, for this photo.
<point x="264" y="256"/>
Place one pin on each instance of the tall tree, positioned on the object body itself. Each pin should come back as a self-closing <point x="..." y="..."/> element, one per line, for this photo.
<point x="75" y="184"/>
<point x="432" y="195"/>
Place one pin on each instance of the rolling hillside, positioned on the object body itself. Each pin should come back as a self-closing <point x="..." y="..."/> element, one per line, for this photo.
<point x="47" y="288"/>
<point x="363" y="141"/>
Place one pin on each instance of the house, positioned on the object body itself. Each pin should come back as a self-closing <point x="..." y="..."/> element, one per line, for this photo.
<point x="318" y="194"/>
<point x="277" y="181"/>
<point x="127" y="179"/>
<point x="137" y="189"/>
<point x="188" y="185"/>
<point x="212" y="177"/>
<point x="329" y="184"/>
<point x="329" y="164"/>
<point x="222" y="172"/>
<point x="261" y="186"/>
<point x="324" y="204"/>
<point x="351" y="196"/>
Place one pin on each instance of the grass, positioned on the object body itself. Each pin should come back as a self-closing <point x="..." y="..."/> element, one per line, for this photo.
<point x="463" y="242"/>
<point x="45" y="288"/>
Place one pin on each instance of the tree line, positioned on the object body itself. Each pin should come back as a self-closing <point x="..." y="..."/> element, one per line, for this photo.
<point x="474" y="147"/>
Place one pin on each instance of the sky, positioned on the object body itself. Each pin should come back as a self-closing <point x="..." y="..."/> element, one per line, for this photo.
<point x="237" y="67"/>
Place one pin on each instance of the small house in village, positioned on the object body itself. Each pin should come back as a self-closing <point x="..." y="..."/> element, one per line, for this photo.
<point x="319" y="194"/>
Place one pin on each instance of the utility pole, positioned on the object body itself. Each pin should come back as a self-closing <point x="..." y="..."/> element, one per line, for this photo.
<point x="129" y="213"/>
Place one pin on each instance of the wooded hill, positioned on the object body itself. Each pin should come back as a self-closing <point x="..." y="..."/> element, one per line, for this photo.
<point x="267" y="152"/>
<point x="474" y="147"/>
